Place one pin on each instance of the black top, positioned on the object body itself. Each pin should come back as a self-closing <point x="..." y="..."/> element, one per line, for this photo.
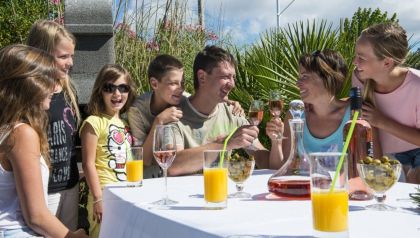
<point x="61" y="133"/>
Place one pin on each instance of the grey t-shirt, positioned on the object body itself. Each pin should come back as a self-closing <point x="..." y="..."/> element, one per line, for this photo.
<point x="197" y="129"/>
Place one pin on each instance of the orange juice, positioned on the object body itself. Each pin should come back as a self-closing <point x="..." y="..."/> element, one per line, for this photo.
<point x="134" y="169"/>
<point x="215" y="184"/>
<point x="330" y="210"/>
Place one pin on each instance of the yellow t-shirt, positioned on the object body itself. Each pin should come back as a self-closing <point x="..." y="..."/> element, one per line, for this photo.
<point x="114" y="141"/>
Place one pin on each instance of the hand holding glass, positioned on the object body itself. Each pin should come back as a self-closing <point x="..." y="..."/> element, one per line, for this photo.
<point x="276" y="107"/>
<point x="164" y="151"/>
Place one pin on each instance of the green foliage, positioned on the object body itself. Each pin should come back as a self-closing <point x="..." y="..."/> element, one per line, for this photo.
<point x="16" y="18"/>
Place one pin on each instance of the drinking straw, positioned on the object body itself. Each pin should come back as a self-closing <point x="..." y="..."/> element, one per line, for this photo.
<point x="346" y="145"/>
<point x="222" y="156"/>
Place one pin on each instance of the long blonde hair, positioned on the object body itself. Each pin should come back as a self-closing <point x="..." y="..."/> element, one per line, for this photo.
<point x="46" y="35"/>
<point x="27" y="78"/>
<point x="387" y="40"/>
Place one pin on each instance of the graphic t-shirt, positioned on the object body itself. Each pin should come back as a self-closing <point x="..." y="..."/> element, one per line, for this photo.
<point x="61" y="135"/>
<point x="114" y="142"/>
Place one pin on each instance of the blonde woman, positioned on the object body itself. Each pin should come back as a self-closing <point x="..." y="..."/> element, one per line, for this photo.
<point x="64" y="116"/>
<point x="27" y="80"/>
<point x="381" y="50"/>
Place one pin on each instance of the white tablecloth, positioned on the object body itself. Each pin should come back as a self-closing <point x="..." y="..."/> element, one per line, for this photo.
<point x="128" y="213"/>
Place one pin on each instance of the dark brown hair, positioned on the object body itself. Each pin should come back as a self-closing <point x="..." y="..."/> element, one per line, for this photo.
<point x="109" y="73"/>
<point x="161" y="65"/>
<point x="208" y="59"/>
<point x="329" y="65"/>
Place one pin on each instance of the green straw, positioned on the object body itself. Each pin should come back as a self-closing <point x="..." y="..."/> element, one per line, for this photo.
<point x="346" y="145"/>
<point x="222" y="156"/>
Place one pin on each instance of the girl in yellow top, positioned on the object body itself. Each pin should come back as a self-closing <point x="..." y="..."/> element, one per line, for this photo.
<point x="105" y="137"/>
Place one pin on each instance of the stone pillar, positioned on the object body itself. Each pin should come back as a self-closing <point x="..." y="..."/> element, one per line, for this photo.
<point x="91" y="23"/>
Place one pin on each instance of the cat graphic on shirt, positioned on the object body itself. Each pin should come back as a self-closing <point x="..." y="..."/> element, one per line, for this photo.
<point x="119" y="141"/>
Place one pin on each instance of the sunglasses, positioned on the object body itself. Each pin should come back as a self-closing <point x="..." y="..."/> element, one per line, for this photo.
<point x="111" y="88"/>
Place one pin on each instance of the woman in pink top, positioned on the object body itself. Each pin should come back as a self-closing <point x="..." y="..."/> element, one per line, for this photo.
<point x="380" y="53"/>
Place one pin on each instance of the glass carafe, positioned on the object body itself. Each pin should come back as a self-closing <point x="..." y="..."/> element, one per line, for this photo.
<point x="292" y="180"/>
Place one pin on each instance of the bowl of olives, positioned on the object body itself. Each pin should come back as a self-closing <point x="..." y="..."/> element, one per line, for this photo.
<point x="379" y="175"/>
<point x="240" y="167"/>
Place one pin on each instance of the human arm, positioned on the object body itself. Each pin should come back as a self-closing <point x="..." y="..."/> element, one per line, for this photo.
<point x="190" y="160"/>
<point x="273" y="128"/>
<point x="89" y="143"/>
<point x="25" y="161"/>
<point x="377" y="119"/>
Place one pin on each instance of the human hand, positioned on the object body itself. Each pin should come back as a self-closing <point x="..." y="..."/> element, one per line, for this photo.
<point x="243" y="137"/>
<point x="171" y="114"/>
<point x="274" y="128"/>
<point x="97" y="211"/>
<point x="372" y="115"/>
<point x="237" y="108"/>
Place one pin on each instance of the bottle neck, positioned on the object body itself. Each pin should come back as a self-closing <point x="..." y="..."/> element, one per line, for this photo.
<point x="296" y="133"/>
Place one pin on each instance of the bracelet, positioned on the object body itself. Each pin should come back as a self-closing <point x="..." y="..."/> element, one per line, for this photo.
<point x="96" y="201"/>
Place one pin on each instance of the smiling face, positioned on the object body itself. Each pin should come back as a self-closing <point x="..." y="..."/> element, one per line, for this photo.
<point x="168" y="90"/>
<point x="115" y="101"/>
<point x="310" y="85"/>
<point x="368" y="65"/>
<point x="219" y="82"/>
<point x="63" y="55"/>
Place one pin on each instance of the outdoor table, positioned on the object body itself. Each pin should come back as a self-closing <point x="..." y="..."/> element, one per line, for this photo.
<point x="128" y="212"/>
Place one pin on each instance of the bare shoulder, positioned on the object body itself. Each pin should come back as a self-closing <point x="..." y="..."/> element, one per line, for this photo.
<point x="26" y="132"/>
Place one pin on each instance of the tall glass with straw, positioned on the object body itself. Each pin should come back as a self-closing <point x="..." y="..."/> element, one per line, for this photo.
<point x="329" y="208"/>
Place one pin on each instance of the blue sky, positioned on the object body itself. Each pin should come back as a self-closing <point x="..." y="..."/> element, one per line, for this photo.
<point x="245" y="20"/>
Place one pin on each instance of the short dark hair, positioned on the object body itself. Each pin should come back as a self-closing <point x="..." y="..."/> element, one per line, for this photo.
<point x="208" y="59"/>
<point x="161" y="65"/>
<point x="329" y="65"/>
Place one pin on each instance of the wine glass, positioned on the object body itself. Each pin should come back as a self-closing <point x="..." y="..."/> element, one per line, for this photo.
<point x="239" y="169"/>
<point x="256" y="112"/>
<point x="164" y="151"/>
<point x="380" y="177"/>
<point x="275" y="103"/>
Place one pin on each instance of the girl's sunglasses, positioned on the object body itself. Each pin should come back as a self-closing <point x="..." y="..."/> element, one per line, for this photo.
<point x="111" y="88"/>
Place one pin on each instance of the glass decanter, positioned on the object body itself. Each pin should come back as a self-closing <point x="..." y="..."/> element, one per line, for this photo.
<point x="292" y="180"/>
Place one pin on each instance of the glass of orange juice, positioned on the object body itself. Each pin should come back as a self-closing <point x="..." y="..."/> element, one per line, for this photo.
<point x="330" y="207"/>
<point x="134" y="167"/>
<point x="215" y="178"/>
